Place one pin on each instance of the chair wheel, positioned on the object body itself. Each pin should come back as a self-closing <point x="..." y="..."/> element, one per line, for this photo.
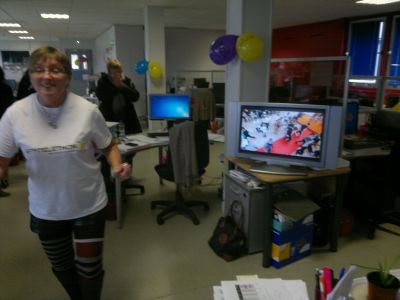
<point x="206" y="207"/>
<point x="142" y="190"/>
<point x="160" y="221"/>
<point x="152" y="206"/>
<point x="196" y="222"/>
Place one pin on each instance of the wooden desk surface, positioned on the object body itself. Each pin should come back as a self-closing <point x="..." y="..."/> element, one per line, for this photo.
<point x="245" y="164"/>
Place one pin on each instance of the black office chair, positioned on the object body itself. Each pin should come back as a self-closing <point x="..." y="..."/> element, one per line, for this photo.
<point x="379" y="176"/>
<point x="176" y="155"/>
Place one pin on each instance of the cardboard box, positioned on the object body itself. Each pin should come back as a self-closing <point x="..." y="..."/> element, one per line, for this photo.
<point x="292" y="227"/>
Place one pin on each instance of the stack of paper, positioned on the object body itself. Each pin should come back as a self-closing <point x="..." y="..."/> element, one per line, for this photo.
<point x="261" y="289"/>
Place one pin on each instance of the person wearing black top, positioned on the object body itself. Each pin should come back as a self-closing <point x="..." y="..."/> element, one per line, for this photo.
<point x="6" y="94"/>
<point x="6" y="99"/>
<point x="24" y="87"/>
<point x="111" y="88"/>
<point x="116" y="94"/>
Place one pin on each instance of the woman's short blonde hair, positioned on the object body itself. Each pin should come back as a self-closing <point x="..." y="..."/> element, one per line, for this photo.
<point x="46" y="52"/>
<point x="114" y="64"/>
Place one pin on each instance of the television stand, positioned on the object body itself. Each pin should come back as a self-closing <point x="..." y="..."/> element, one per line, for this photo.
<point x="264" y="167"/>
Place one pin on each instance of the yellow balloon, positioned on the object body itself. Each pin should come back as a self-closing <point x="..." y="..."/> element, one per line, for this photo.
<point x="396" y="107"/>
<point x="77" y="62"/>
<point x="249" y="47"/>
<point x="155" y="69"/>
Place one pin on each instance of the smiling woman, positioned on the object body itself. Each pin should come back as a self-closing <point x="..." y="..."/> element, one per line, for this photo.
<point x="58" y="133"/>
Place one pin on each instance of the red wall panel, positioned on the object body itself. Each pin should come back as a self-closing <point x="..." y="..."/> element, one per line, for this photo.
<point x="310" y="40"/>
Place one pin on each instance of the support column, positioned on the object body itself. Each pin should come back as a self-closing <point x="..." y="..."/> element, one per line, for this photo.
<point x="247" y="81"/>
<point x="154" y="45"/>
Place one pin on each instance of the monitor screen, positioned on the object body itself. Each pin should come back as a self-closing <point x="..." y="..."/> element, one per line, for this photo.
<point x="169" y="107"/>
<point x="285" y="134"/>
<point x="282" y="131"/>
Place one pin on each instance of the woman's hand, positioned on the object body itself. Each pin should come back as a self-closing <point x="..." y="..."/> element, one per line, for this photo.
<point x="123" y="172"/>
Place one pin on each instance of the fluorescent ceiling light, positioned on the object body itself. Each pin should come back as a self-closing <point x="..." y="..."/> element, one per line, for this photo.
<point x="18" y="31"/>
<point x="376" y="2"/>
<point x="9" y="25"/>
<point x="54" y="16"/>
<point x="26" y="37"/>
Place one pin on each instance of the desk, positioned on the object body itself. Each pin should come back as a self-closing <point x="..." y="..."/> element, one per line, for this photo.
<point x="144" y="143"/>
<point x="366" y="152"/>
<point x="269" y="180"/>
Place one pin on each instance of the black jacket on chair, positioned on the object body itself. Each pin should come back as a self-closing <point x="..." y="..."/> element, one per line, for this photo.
<point x="166" y="171"/>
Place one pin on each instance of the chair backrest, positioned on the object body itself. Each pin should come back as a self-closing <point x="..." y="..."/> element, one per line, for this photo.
<point x="188" y="145"/>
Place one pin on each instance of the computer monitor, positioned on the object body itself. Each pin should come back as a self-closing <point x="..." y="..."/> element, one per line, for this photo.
<point x="285" y="135"/>
<point x="169" y="107"/>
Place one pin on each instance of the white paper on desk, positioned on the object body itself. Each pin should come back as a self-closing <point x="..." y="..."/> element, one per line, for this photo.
<point x="265" y="289"/>
<point x="283" y="289"/>
<point x="162" y="139"/>
<point x="141" y="138"/>
<point x="125" y="148"/>
<point x="231" y="289"/>
<point x="297" y="289"/>
<point x="218" y="293"/>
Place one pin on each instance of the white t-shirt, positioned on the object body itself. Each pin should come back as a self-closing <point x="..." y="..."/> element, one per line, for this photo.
<point x="64" y="181"/>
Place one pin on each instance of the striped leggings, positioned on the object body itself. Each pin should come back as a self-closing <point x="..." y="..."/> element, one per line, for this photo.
<point x="73" y="244"/>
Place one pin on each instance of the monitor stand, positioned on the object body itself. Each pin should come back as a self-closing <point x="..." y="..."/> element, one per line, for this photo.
<point x="264" y="167"/>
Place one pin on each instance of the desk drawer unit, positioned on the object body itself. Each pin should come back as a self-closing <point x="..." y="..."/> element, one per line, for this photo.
<point x="253" y="201"/>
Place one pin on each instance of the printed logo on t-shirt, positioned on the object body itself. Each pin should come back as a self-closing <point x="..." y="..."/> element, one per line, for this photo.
<point x="59" y="149"/>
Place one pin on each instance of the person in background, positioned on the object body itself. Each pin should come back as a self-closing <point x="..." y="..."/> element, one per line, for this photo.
<point x="24" y="86"/>
<point x="59" y="134"/>
<point x="6" y="99"/>
<point x="111" y="88"/>
<point x="117" y="94"/>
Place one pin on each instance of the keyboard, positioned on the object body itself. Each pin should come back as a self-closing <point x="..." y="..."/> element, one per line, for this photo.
<point x="156" y="134"/>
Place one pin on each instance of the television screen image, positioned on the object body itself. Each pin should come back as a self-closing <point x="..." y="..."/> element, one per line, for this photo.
<point x="169" y="107"/>
<point x="282" y="137"/>
<point x="282" y="132"/>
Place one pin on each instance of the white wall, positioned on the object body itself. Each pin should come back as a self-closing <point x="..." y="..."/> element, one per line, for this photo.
<point x="187" y="49"/>
<point x="129" y="41"/>
<point x="104" y="48"/>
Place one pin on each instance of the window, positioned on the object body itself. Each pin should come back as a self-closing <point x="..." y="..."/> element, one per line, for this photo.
<point x="365" y="46"/>
<point x="80" y="62"/>
<point x="395" y="48"/>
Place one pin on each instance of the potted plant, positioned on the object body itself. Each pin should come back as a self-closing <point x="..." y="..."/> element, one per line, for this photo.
<point x="382" y="284"/>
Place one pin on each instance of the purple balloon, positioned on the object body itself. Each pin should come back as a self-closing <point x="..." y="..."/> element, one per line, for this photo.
<point x="223" y="49"/>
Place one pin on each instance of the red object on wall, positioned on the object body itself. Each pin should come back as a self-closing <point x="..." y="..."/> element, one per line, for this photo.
<point x="310" y="40"/>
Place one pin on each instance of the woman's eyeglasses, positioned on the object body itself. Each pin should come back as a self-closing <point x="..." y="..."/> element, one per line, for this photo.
<point x="52" y="70"/>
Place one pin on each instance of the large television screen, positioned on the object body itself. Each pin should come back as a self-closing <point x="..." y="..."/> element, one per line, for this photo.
<point x="282" y="131"/>
<point x="169" y="107"/>
<point x="285" y="134"/>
